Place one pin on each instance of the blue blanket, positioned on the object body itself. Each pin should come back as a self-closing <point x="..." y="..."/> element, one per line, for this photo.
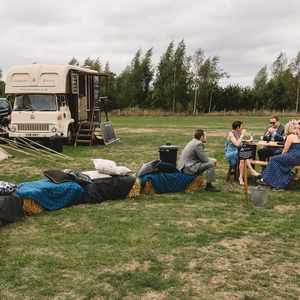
<point x="51" y="196"/>
<point x="168" y="182"/>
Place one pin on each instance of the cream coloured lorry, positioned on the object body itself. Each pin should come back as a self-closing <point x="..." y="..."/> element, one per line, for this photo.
<point x="51" y="100"/>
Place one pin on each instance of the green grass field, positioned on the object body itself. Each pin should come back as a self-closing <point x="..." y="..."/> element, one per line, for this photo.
<point x="172" y="246"/>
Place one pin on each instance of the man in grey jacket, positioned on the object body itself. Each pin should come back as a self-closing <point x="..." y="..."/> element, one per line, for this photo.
<point x="194" y="161"/>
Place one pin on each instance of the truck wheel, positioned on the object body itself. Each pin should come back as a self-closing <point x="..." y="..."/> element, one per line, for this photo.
<point x="71" y="136"/>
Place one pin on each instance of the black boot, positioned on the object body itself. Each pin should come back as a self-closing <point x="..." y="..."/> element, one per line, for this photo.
<point x="210" y="188"/>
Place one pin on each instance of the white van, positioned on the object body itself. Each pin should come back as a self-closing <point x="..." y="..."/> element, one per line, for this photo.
<point x="52" y="100"/>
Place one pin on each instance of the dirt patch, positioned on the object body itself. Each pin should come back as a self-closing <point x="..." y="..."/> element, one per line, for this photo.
<point x="67" y="295"/>
<point x="286" y="208"/>
<point x="217" y="133"/>
<point x="218" y="279"/>
<point x="154" y="296"/>
<point x="166" y="258"/>
<point x="241" y="244"/>
<point x="188" y="224"/>
<point x="133" y="266"/>
<point x="138" y="130"/>
<point x="235" y="295"/>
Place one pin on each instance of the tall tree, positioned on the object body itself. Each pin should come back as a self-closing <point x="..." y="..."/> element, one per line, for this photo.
<point x="279" y="66"/>
<point x="122" y="89"/>
<point x="279" y="85"/>
<point x="73" y="62"/>
<point x="94" y="64"/>
<point x="2" y="85"/>
<point x="147" y="76"/>
<point x="135" y="87"/>
<point x="181" y="76"/>
<point x="107" y="67"/>
<point x="261" y="78"/>
<point x="197" y="61"/>
<point x="260" y="85"/>
<point x="295" y="69"/>
<point x="164" y="82"/>
<point x="209" y="76"/>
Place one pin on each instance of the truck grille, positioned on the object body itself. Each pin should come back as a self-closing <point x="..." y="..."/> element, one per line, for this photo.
<point x="33" y="127"/>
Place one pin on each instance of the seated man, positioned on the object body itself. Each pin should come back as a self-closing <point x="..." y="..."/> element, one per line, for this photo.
<point x="194" y="161"/>
<point x="273" y="133"/>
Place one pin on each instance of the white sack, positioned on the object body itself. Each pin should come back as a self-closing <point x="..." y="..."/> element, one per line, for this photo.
<point x="109" y="167"/>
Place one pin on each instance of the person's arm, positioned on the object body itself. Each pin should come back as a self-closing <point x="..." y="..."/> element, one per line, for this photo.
<point x="266" y="133"/>
<point x="234" y="140"/>
<point x="281" y="130"/>
<point x="278" y="137"/>
<point x="288" y="143"/>
<point x="199" y="149"/>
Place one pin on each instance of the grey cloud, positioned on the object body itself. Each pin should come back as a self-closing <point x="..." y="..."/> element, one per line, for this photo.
<point x="245" y="34"/>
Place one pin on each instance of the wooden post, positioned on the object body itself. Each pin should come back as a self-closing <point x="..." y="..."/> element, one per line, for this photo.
<point x="245" y="175"/>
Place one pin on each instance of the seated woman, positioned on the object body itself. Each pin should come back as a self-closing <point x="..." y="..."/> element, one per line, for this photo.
<point x="234" y="140"/>
<point x="278" y="173"/>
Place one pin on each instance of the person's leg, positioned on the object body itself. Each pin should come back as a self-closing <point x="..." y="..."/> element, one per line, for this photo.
<point x="209" y="167"/>
<point x="250" y="168"/>
<point x="263" y="154"/>
<point x="232" y="158"/>
<point x="241" y="177"/>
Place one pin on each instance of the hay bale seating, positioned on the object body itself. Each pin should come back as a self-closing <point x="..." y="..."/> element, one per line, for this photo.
<point x="194" y="186"/>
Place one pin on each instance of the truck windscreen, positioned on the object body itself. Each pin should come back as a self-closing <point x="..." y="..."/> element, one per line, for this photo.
<point x="35" y="103"/>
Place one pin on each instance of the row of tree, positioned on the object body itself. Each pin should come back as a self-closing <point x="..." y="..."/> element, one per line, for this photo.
<point x="191" y="83"/>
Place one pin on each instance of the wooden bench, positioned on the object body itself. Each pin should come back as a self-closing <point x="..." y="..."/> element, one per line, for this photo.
<point x="259" y="162"/>
<point x="264" y="164"/>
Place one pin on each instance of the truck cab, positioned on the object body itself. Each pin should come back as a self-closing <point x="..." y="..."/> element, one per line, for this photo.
<point x="40" y="115"/>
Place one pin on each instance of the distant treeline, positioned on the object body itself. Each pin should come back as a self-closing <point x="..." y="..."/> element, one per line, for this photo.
<point x="191" y="83"/>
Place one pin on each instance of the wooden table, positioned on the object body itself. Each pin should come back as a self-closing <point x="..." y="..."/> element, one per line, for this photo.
<point x="269" y="144"/>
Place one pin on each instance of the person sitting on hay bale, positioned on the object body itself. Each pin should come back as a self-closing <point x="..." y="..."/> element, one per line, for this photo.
<point x="194" y="161"/>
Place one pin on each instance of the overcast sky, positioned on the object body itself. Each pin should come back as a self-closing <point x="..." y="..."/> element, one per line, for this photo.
<point x="245" y="34"/>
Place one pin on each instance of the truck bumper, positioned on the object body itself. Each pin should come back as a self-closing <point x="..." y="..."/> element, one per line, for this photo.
<point x="33" y="134"/>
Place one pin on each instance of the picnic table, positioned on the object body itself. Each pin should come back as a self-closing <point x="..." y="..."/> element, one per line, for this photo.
<point x="269" y="144"/>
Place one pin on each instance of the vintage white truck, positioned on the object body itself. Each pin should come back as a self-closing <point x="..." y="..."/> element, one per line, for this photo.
<point x="54" y="100"/>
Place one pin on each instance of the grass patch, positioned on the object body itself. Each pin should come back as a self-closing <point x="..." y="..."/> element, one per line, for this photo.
<point x="171" y="246"/>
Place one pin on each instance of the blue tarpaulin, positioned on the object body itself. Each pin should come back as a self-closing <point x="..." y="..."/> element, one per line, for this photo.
<point x="168" y="182"/>
<point x="51" y="196"/>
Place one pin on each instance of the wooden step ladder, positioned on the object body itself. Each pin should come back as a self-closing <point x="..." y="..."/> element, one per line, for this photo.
<point x="84" y="135"/>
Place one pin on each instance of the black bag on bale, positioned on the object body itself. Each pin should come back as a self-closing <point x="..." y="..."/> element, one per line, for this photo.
<point x="11" y="209"/>
<point x="168" y="153"/>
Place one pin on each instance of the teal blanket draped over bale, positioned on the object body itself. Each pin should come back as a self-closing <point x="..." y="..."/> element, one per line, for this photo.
<point x="51" y="196"/>
<point x="168" y="182"/>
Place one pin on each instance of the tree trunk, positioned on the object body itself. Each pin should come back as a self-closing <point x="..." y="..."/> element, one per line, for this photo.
<point x="210" y="100"/>
<point x="174" y="91"/>
<point x="195" y="101"/>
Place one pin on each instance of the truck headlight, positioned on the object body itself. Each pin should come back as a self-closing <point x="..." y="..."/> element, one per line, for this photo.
<point x="53" y="129"/>
<point x="13" y="128"/>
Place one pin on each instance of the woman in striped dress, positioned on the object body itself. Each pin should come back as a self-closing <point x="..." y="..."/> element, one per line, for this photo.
<point x="278" y="173"/>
